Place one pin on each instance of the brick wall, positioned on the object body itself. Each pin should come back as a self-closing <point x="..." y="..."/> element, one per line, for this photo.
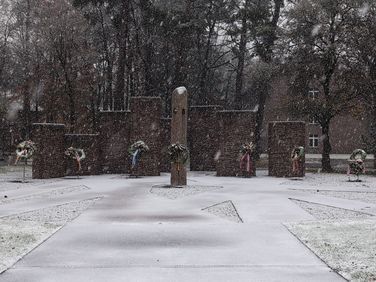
<point x="146" y="113"/>
<point x="48" y="160"/>
<point x="91" y="165"/>
<point x="203" y="137"/>
<point x="235" y="129"/>
<point x="283" y="137"/>
<point x="114" y="141"/>
<point x="165" y="165"/>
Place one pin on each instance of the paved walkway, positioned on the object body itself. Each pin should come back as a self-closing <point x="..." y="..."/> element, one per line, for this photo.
<point x="134" y="235"/>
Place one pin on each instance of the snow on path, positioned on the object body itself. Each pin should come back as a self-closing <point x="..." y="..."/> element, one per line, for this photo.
<point x="132" y="230"/>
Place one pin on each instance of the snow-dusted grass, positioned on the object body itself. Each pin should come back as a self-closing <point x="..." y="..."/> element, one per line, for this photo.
<point x="226" y="210"/>
<point x="17" y="238"/>
<point x="45" y="195"/>
<point x="59" y="214"/>
<point x="21" y="233"/>
<point x="347" y="247"/>
<point x="324" y="212"/>
<point x="363" y="196"/>
<point x="176" y="193"/>
<point x="344" y="239"/>
<point x="332" y="180"/>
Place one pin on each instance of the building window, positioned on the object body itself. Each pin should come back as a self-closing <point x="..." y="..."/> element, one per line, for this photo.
<point x="313" y="140"/>
<point x="313" y="94"/>
<point x="313" y="120"/>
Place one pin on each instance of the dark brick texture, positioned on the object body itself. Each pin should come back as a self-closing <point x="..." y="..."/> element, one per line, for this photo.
<point x="48" y="160"/>
<point x="203" y="137"/>
<point x="235" y="129"/>
<point x="283" y="137"/>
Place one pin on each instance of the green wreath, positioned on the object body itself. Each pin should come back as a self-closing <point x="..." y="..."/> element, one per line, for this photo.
<point x="297" y="153"/>
<point x="140" y="146"/>
<point x="358" y="154"/>
<point x="178" y="153"/>
<point x="74" y="153"/>
<point x="25" y="150"/>
<point x="136" y="150"/>
<point x="77" y="154"/>
<point x="247" y="148"/>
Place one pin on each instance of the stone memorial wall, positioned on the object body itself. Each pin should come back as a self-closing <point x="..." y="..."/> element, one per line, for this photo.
<point x="114" y="142"/>
<point x="203" y="137"/>
<point x="48" y="159"/>
<point x="235" y="129"/>
<point x="283" y="137"/>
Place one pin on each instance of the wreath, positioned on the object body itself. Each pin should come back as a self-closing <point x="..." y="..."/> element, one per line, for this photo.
<point x="25" y="150"/>
<point x="247" y="148"/>
<point x="358" y="154"/>
<point x="297" y="153"/>
<point x="76" y="154"/>
<point x="356" y="162"/>
<point x="178" y="153"/>
<point x="135" y="150"/>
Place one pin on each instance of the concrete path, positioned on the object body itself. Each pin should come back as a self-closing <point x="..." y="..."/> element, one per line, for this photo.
<point x="134" y="235"/>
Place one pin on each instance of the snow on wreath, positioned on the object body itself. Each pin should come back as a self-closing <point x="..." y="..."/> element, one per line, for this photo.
<point x="25" y="150"/>
<point x="136" y="150"/>
<point x="76" y="154"/>
<point x="178" y="153"/>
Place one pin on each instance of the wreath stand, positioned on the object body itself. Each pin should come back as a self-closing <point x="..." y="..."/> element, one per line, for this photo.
<point x="356" y="164"/>
<point x="25" y="150"/>
<point x="136" y="151"/>
<point x="77" y="155"/>
<point x="297" y="156"/>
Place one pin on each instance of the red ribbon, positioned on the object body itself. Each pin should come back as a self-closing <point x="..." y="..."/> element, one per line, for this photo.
<point x="246" y="163"/>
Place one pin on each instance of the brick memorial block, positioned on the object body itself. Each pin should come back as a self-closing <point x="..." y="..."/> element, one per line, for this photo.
<point x="91" y="165"/>
<point x="235" y="129"/>
<point x="48" y="159"/>
<point x="114" y="141"/>
<point x="203" y="137"/>
<point x="283" y="137"/>
<point x="146" y="115"/>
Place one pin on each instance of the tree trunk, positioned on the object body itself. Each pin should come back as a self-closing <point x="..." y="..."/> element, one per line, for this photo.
<point x="146" y="15"/>
<point x="241" y="59"/>
<point x="26" y="89"/>
<point x="266" y="54"/>
<point x="327" y="148"/>
<point x="260" y="117"/>
<point x="122" y="61"/>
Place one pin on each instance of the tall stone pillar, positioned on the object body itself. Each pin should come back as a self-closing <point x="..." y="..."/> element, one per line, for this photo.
<point x="179" y="132"/>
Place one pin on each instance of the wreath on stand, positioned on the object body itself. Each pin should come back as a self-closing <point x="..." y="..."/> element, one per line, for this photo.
<point x="246" y="162"/>
<point x="179" y="154"/>
<point x="25" y="150"/>
<point x="356" y="163"/>
<point x="297" y="156"/>
<point x="136" y="150"/>
<point x="77" y="154"/>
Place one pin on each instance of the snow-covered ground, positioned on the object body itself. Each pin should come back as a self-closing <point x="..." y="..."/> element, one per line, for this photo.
<point x="111" y="228"/>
